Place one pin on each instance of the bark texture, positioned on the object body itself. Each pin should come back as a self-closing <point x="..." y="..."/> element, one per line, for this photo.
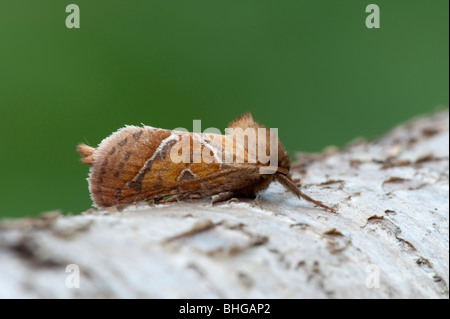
<point x="388" y="239"/>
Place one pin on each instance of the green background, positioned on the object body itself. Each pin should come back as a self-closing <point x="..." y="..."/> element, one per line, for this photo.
<point x="310" y="68"/>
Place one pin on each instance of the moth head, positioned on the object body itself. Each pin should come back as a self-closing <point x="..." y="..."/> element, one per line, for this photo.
<point x="246" y="121"/>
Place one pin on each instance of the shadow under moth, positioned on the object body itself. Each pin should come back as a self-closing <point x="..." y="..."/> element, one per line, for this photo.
<point x="139" y="164"/>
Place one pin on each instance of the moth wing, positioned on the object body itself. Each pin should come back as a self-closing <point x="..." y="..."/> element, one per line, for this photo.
<point x="118" y="159"/>
<point x="207" y="176"/>
<point x="135" y="164"/>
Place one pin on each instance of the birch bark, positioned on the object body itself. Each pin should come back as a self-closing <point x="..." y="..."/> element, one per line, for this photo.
<point x="389" y="239"/>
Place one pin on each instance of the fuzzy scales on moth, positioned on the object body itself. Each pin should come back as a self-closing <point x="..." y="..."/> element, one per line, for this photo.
<point x="145" y="163"/>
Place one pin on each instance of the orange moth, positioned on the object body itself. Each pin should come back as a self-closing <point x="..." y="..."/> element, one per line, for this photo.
<point x="145" y="163"/>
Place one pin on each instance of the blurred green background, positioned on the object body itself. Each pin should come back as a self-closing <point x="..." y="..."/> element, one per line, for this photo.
<point x="310" y="68"/>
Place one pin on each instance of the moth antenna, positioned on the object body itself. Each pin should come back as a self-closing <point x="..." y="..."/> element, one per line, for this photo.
<point x="87" y="154"/>
<point x="290" y="186"/>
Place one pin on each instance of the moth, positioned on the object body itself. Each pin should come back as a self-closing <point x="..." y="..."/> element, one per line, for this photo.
<point x="137" y="164"/>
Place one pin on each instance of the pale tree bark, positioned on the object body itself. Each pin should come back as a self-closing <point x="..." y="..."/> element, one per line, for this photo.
<point x="388" y="239"/>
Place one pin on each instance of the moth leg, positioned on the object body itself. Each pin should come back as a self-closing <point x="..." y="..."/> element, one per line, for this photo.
<point x="286" y="182"/>
<point x="195" y="196"/>
<point x="316" y="202"/>
<point x="221" y="197"/>
<point x="171" y="199"/>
